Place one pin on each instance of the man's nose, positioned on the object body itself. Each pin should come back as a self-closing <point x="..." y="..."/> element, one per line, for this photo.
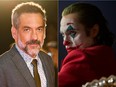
<point x="65" y="42"/>
<point x="34" y="35"/>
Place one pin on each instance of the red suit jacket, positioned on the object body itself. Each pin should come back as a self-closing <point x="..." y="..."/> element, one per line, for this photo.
<point x="81" y="66"/>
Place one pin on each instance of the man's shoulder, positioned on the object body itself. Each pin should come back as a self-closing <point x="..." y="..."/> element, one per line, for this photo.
<point x="44" y="56"/>
<point x="10" y="53"/>
<point x="43" y="53"/>
<point x="4" y="54"/>
<point x="4" y="57"/>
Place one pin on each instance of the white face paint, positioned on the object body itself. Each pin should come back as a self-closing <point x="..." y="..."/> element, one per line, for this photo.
<point x="73" y="32"/>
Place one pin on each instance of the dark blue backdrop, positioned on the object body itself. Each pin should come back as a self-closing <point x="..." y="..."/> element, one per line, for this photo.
<point x="108" y="9"/>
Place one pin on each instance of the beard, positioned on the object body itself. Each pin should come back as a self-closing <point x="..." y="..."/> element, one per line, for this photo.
<point x="32" y="47"/>
<point x="33" y="51"/>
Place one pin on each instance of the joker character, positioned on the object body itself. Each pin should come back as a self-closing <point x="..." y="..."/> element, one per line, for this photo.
<point x="88" y="42"/>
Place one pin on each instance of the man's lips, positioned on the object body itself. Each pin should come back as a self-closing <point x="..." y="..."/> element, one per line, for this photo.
<point x="69" y="48"/>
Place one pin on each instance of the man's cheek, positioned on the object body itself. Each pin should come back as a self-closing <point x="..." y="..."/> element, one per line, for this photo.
<point x="77" y="40"/>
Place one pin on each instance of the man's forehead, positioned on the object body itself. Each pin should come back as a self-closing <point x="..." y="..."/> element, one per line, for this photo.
<point x="69" y="21"/>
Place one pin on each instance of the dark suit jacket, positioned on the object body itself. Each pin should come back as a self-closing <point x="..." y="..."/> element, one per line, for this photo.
<point x="15" y="73"/>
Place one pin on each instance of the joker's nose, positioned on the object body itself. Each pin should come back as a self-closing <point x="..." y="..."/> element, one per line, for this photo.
<point x="66" y="43"/>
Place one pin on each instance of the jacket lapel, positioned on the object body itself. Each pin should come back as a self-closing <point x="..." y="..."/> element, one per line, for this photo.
<point x="22" y="67"/>
<point x="46" y="68"/>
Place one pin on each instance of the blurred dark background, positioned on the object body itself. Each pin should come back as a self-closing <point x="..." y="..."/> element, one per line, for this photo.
<point x="108" y="8"/>
<point x="6" y="7"/>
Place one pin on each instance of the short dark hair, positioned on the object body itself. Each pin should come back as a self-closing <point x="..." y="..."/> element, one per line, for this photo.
<point x="28" y="7"/>
<point x="89" y="15"/>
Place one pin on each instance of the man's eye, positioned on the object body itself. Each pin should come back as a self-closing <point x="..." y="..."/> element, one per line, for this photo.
<point x="40" y="29"/>
<point x="73" y="33"/>
<point x="26" y="29"/>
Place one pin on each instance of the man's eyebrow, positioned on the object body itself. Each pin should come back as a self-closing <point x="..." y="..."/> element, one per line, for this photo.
<point x="69" y="23"/>
<point x="41" y="27"/>
<point x="26" y="27"/>
<point x="70" y="28"/>
<point x="30" y="27"/>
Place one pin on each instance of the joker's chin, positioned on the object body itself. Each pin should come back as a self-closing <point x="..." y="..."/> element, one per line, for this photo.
<point x="68" y="48"/>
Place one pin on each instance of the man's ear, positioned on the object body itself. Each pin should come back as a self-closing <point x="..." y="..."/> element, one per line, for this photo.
<point x="94" y="31"/>
<point x="14" y="32"/>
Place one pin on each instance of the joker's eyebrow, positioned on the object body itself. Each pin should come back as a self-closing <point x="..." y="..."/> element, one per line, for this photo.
<point x="69" y="23"/>
<point x="72" y="31"/>
<point x="70" y="28"/>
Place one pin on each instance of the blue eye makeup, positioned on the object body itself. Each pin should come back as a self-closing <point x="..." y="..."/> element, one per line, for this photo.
<point x="71" y="31"/>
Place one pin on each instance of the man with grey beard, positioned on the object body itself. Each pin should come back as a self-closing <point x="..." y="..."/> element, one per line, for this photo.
<point x="28" y="30"/>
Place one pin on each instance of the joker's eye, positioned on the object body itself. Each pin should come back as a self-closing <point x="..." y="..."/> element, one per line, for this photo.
<point x="73" y="33"/>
